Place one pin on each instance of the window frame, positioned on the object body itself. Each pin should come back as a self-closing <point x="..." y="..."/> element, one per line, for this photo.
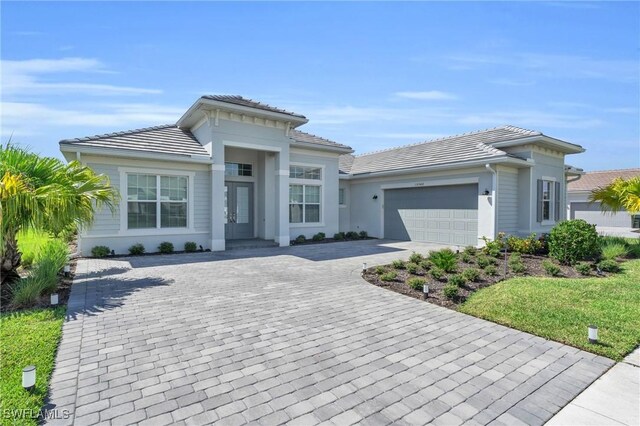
<point x="342" y="197"/>
<point x="158" y="229"/>
<point x="320" y="183"/>
<point x="553" y="199"/>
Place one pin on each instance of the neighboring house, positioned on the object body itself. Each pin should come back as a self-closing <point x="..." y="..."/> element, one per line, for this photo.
<point x="232" y="168"/>
<point x="579" y="207"/>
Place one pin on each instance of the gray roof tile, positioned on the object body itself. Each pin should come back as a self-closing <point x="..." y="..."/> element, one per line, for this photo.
<point x="593" y="180"/>
<point x="167" y="139"/>
<point x="303" y="137"/>
<point x="239" y="100"/>
<point x="452" y="149"/>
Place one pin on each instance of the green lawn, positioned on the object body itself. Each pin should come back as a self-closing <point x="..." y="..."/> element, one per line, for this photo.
<point x="28" y="338"/>
<point x="562" y="309"/>
<point x="30" y="242"/>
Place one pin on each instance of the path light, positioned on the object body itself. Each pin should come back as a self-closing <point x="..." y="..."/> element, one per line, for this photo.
<point x="29" y="377"/>
<point x="364" y="266"/>
<point x="593" y="334"/>
<point x="425" y="290"/>
<point x="54" y="298"/>
<point x="66" y="270"/>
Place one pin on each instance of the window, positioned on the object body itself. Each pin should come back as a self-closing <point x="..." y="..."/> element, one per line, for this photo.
<point x="156" y="201"/>
<point x="341" y="199"/>
<point x="304" y="204"/>
<point x="238" y="169"/>
<point x="305" y="172"/>
<point x="548" y="200"/>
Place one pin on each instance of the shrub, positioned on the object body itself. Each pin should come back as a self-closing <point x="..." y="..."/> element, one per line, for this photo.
<point x="389" y="276"/>
<point x="416" y="258"/>
<point x="416" y="283"/>
<point x="137" y="249"/>
<point x="613" y="250"/>
<point x="190" y="247"/>
<point x="515" y="263"/>
<point x="457" y="280"/>
<point x="583" y="268"/>
<point x="471" y="274"/>
<point x="320" y="236"/>
<point x="25" y="292"/>
<point x="165" y="247"/>
<point x="27" y="259"/>
<point x="573" y="240"/>
<point x="470" y="250"/>
<point x="426" y="265"/>
<point x="380" y="270"/>
<point x="100" y="251"/>
<point x="352" y="235"/>
<point x="484" y="261"/>
<point x="609" y="265"/>
<point x="494" y="247"/>
<point x="491" y="270"/>
<point x="450" y="291"/>
<point x="363" y="235"/>
<point x="633" y="250"/>
<point x="300" y="239"/>
<point x="444" y="259"/>
<point x="551" y="268"/>
<point x="412" y="268"/>
<point x="436" y="273"/>
<point x="466" y="257"/>
<point x="339" y="236"/>
<point x="528" y="245"/>
<point x="397" y="264"/>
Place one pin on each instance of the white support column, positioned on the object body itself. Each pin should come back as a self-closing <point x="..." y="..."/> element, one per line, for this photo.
<point x="282" y="197"/>
<point x="217" y="197"/>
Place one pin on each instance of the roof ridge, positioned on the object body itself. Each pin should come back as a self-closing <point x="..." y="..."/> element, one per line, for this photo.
<point x="121" y="133"/>
<point x="459" y="135"/>
<point x="258" y="104"/>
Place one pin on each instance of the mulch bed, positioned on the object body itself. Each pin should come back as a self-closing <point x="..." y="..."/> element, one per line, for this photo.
<point x="64" y="287"/>
<point x="532" y="263"/>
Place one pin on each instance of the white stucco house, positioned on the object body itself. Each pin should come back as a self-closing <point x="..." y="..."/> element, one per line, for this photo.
<point x="579" y="207"/>
<point x="232" y="168"/>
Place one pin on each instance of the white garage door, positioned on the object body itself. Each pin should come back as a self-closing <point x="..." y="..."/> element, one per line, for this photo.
<point x="591" y="213"/>
<point x="439" y="214"/>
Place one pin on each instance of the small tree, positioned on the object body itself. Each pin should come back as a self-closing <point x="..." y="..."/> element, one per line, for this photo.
<point x="619" y="195"/>
<point x="44" y="193"/>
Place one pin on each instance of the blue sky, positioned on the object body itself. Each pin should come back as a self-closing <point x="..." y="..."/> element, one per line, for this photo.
<point x="371" y="75"/>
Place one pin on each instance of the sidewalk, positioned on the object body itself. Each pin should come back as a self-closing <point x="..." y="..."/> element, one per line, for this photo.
<point x="613" y="399"/>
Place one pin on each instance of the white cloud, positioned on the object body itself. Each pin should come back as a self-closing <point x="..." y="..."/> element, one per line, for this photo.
<point x="26" y="78"/>
<point x="431" y="95"/>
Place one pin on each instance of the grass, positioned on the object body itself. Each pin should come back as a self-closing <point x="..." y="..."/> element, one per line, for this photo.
<point x="30" y="242"/>
<point x="561" y="309"/>
<point x="28" y="338"/>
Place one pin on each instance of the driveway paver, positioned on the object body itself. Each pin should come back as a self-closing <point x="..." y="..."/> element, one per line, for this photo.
<point x="293" y="335"/>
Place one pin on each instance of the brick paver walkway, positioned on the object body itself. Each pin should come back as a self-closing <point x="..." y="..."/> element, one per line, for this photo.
<point x="294" y="335"/>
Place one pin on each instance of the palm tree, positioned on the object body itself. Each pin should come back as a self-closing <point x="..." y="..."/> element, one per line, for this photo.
<point x="618" y="195"/>
<point x="44" y="193"/>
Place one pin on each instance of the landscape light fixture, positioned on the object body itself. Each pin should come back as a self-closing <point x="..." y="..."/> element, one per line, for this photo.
<point x="67" y="270"/>
<point x="425" y="290"/>
<point x="364" y="266"/>
<point x="29" y="377"/>
<point x="593" y="334"/>
<point x="54" y="298"/>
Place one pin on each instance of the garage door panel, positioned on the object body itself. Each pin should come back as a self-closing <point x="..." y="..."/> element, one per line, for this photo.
<point x="591" y="213"/>
<point x="446" y="214"/>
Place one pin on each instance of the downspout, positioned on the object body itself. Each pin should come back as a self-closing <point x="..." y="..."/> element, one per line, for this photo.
<point x="566" y="194"/>
<point x="494" y="196"/>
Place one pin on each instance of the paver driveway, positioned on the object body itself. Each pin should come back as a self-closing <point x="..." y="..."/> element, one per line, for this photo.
<point x="294" y="335"/>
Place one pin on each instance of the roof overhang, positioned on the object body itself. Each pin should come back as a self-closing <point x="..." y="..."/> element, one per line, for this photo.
<point x="543" y="140"/>
<point x="202" y="106"/>
<point x="573" y="171"/>
<point x="320" y="147"/>
<point x="70" y="148"/>
<point x="481" y="162"/>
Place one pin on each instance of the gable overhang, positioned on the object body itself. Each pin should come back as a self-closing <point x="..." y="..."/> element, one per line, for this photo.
<point x="480" y="162"/>
<point x="74" y="150"/>
<point x="320" y="147"/>
<point x="544" y="141"/>
<point x="202" y="107"/>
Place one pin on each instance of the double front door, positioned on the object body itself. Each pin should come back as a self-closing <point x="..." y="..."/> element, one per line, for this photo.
<point x="238" y="210"/>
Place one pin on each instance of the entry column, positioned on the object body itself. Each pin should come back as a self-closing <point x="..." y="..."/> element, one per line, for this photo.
<point x="217" y="198"/>
<point x="282" y="197"/>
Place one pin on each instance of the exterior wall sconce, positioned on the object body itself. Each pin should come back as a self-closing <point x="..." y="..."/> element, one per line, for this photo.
<point x="375" y="196"/>
<point x="593" y="334"/>
<point x="486" y="192"/>
<point x="29" y="377"/>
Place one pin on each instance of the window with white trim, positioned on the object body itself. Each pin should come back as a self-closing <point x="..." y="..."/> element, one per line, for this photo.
<point x="304" y="203"/>
<point x="305" y="172"/>
<point x="156" y="201"/>
<point x="548" y="201"/>
<point x="341" y="199"/>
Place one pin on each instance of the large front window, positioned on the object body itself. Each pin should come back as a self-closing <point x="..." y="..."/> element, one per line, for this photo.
<point x="155" y="201"/>
<point x="304" y="204"/>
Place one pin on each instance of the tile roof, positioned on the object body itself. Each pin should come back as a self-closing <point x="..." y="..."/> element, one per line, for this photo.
<point x="452" y="149"/>
<point x="592" y="180"/>
<point x="167" y="139"/>
<point x="239" y="100"/>
<point x="303" y="137"/>
<point x="345" y="162"/>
